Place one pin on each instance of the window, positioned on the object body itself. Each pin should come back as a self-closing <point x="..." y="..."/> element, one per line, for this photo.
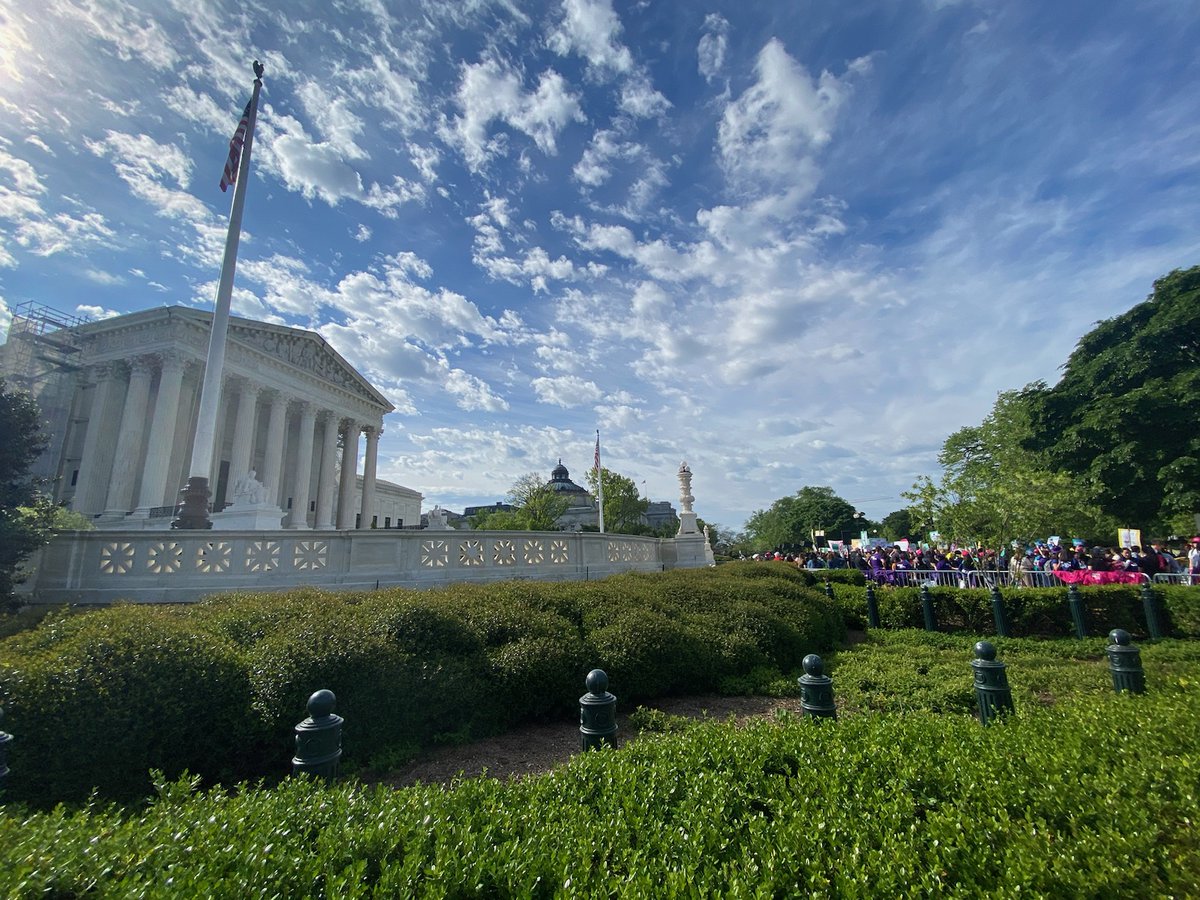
<point x="387" y="521"/>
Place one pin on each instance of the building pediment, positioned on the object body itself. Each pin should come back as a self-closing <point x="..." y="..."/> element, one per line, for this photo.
<point x="298" y="349"/>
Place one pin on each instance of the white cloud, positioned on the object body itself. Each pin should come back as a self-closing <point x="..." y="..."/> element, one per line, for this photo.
<point x="591" y="29"/>
<point x="710" y="52"/>
<point x="362" y="234"/>
<point x="566" y="391"/>
<point x="768" y="135"/>
<point x="490" y="90"/>
<point x="96" y="312"/>
<point x="101" y="277"/>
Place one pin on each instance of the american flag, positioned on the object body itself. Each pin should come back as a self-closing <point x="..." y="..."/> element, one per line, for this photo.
<point x="597" y="453"/>
<point x="235" y="150"/>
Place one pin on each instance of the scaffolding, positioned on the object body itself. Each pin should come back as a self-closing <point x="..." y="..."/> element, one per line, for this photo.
<point x="42" y="356"/>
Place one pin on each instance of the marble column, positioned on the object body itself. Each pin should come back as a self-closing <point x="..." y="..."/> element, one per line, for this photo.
<point x="162" y="436"/>
<point x="369" y="466"/>
<point x="345" y="511"/>
<point x="327" y="479"/>
<point x="303" y="473"/>
<point x="273" y="455"/>
<point x="243" y="431"/>
<point x="94" y="460"/>
<point x="132" y="430"/>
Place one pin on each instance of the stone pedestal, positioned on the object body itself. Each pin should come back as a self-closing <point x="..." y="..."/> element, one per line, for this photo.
<point x="252" y="517"/>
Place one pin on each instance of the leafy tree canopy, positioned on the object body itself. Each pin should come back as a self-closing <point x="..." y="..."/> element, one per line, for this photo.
<point x="793" y="519"/>
<point x="623" y="508"/>
<point x="994" y="488"/>
<point x="537" y="507"/>
<point x="1122" y="419"/>
<point x="26" y="517"/>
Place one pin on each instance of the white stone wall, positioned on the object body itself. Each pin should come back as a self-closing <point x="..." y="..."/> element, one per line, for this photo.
<point x="183" y="566"/>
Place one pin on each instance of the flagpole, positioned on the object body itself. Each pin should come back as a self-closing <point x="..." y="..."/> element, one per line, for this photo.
<point x="599" y="482"/>
<point x="193" y="508"/>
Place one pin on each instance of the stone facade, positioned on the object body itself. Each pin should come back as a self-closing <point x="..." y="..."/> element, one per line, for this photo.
<point x="289" y="405"/>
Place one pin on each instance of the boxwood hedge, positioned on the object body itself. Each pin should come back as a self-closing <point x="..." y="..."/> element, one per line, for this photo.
<point x="1093" y="798"/>
<point x="97" y="699"/>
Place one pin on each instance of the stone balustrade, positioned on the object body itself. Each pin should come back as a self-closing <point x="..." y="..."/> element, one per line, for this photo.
<point x="180" y="566"/>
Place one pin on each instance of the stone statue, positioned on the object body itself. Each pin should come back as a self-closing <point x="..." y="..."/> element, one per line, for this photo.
<point x="437" y="520"/>
<point x="248" y="490"/>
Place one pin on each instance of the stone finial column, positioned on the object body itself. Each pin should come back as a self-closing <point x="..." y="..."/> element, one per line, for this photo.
<point x="369" y="467"/>
<point x="273" y="455"/>
<point x="162" y="435"/>
<point x="128" y="454"/>
<point x="327" y="480"/>
<point x="92" y="484"/>
<point x="243" y="430"/>
<point x="687" y="518"/>
<point x="303" y="473"/>
<point x="345" y="511"/>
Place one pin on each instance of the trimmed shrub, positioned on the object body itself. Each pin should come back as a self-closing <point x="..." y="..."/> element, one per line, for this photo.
<point x="97" y="700"/>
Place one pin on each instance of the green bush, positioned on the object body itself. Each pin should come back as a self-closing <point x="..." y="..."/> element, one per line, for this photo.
<point x="409" y="668"/>
<point x="1054" y="802"/>
<point x="97" y="700"/>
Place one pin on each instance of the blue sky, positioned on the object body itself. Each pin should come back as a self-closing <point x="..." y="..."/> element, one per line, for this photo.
<point x="793" y="243"/>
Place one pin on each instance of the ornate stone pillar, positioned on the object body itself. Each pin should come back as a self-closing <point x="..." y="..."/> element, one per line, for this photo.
<point x="369" y="466"/>
<point x="345" y="513"/>
<point x="303" y="473"/>
<point x="273" y="455"/>
<point x="128" y="454"/>
<point x="94" y="464"/>
<point x="687" y="518"/>
<point x="162" y="435"/>
<point x="243" y="431"/>
<point x="327" y="480"/>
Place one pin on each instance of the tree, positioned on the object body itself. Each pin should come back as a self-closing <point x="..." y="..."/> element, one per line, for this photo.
<point x="792" y="520"/>
<point x="623" y="508"/>
<point x="538" y="508"/>
<point x="994" y="488"/>
<point x="26" y="516"/>
<point x="900" y="524"/>
<point x="1122" y="419"/>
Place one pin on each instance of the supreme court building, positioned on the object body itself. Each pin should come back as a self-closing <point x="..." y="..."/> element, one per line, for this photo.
<point x="121" y="396"/>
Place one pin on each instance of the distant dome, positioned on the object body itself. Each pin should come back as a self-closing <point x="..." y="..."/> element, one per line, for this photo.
<point x="560" y="481"/>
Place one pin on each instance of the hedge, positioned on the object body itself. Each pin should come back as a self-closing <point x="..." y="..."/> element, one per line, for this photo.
<point x="1095" y="798"/>
<point x="97" y="699"/>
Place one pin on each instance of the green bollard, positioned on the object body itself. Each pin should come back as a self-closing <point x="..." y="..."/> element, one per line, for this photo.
<point x="829" y="590"/>
<point x="1150" y="606"/>
<point x="998" y="612"/>
<point x="816" y="690"/>
<point x="872" y="607"/>
<point x="597" y="713"/>
<point x="319" y="739"/>
<point x="5" y="740"/>
<point x="991" y="684"/>
<point x="927" y="609"/>
<point x="1125" y="663"/>
<point x="1075" y="602"/>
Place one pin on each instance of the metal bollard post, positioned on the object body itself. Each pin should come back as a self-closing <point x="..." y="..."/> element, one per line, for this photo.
<point x="319" y="738"/>
<point x="1125" y="663"/>
<point x="927" y="609"/>
<point x="1150" y="605"/>
<point x="828" y="590"/>
<point x="597" y="713"/>
<point x="1075" y="602"/>
<point x="998" y="612"/>
<point x="872" y="607"/>
<point x="816" y="690"/>
<point x="5" y="740"/>
<point x="991" y="684"/>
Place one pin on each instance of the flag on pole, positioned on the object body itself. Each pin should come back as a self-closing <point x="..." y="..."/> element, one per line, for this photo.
<point x="599" y="482"/>
<point x="235" y="150"/>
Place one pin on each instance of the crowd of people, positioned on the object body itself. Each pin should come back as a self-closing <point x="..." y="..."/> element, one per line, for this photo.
<point x="1041" y="564"/>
